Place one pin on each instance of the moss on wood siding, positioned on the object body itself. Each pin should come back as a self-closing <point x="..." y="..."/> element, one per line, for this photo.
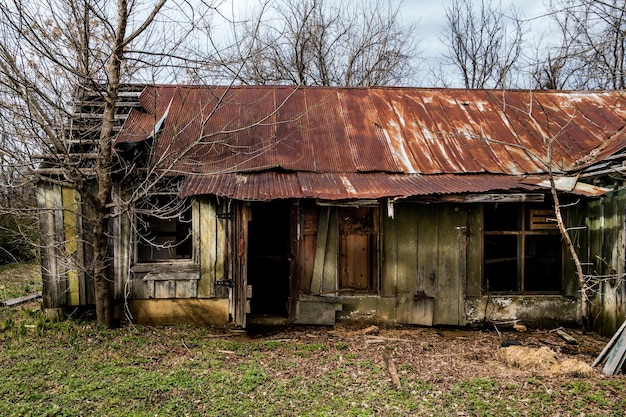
<point x="606" y="257"/>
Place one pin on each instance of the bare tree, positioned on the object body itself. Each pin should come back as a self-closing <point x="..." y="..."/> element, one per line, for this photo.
<point x="318" y="42"/>
<point x="484" y="44"/>
<point x="48" y="48"/>
<point x="592" y="53"/>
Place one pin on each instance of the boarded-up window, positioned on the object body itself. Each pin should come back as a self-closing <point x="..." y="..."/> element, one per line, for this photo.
<point x="522" y="249"/>
<point x="358" y="230"/>
<point x="163" y="229"/>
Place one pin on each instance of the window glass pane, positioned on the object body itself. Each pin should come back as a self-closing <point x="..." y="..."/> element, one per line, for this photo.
<point x="501" y="266"/>
<point x="502" y="217"/>
<point x="543" y="263"/>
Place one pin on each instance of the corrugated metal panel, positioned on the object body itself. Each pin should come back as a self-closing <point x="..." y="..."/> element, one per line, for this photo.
<point x="336" y="186"/>
<point x="218" y="130"/>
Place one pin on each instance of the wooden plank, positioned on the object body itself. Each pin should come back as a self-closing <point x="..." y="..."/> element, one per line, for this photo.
<point x="71" y="219"/>
<point x="610" y="344"/>
<point x="21" y="300"/>
<point x="427" y="250"/>
<point x="329" y="276"/>
<point x="406" y="216"/>
<point x="569" y="339"/>
<point x="49" y="200"/>
<point x="473" y="260"/>
<point x="389" y="261"/>
<point x="207" y="224"/>
<point x="320" y="251"/>
<point x="616" y="356"/>
<point x="447" y="293"/>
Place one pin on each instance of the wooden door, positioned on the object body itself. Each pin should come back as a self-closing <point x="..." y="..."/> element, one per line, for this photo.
<point x="240" y="292"/>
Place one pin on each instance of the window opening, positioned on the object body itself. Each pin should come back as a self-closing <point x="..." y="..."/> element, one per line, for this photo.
<point x="163" y="229"/>
<point x="522" y="249"/>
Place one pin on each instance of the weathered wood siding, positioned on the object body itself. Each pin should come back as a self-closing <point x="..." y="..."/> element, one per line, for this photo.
<point x="425" y="255"/>
<point x="63" y="253"/>
<point x="606" y="258"/>
<point x="50" y="202"/>
<point x="423" y="264"/>
<point x="194" y="278"/>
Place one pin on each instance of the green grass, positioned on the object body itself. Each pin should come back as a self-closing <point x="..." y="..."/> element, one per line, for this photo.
<point x="78" y="368"/>
<point x="73" y="368"/>
<point x="19" y="279"/>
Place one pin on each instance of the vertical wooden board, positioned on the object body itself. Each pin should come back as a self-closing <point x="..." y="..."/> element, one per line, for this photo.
<point x="221" y="246"/>
<point x="240" y="302"/>
<point x="406" y="262"/>
<point x="61" y="264"/>
<point x="320" y="251"/>
<point x="354" y="261"/>
<point x="447" y="298"/>
<point x="49" y="259"/>
<point x="87" y="226"/>
<point x="207" y="253"/>
<point x="124" y="257"/>
<point x="141" y="289"/>
<point x="407" y="249"/>
<point x="183" y="289"/>
<point x="474" y="262"/>
<point x="329" y="276"/>
<point x="70" y="220"/>
<point x="427" y="249"/>
<point x="309" y="224"/>
<point x="389" y="261"/>
<point x="307" y="256"/>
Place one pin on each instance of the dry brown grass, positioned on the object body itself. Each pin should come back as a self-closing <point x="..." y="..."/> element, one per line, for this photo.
<point x="544" y="360"/>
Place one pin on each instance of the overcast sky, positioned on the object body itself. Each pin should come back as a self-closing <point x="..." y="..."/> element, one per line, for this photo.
<point x="430" y="16"/>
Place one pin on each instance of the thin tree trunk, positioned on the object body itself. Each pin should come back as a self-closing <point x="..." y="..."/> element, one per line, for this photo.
<point x="582" y="283"/>
<point x="103" y="284"/>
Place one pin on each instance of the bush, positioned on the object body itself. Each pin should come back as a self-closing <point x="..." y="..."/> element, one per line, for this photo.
<point x="19" y="235"/>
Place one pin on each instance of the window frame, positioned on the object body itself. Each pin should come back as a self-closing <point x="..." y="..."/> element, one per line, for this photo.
<point x="189" y="220"/>
<point x="524" y="233"/>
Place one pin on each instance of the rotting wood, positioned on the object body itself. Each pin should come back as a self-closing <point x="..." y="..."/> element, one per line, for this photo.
<point x="609" y="345"/>
<point x="369" y="330"/>
<point x="391" y="367"/>
<point x="569" y="339"/>
<point x="616" y="357"/>
<point x="389" y="339"/>
<point x="20" y="300"/>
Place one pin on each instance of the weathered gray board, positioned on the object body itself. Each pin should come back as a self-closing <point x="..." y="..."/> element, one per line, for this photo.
<point x="20" y="300"/>
<point x="614" y="352"/>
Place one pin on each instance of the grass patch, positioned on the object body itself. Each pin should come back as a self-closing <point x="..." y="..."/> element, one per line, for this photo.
<point x="78" y="368"/>
<point x="17" y="280"/>
<point x="74" y="368"/>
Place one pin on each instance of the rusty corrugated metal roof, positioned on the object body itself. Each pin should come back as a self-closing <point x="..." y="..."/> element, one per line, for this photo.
<point x="337" y="133"/>
<point x="333" y="186"/>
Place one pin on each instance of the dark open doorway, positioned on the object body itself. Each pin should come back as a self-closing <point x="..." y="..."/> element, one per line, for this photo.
<point x="269" y="246"/>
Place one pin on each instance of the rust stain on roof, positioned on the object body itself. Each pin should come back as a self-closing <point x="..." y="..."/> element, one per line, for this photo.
<point x="313" y="141"/>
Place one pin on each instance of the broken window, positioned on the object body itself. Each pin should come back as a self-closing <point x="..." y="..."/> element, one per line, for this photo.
<point x="358" y="231"/>
<point x="163" y="229"/>
<point x="522" y="249"/>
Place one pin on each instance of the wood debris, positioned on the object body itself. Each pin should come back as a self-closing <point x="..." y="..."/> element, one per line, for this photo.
<point x="393" y="372"/>
<point x="569" y="339"/>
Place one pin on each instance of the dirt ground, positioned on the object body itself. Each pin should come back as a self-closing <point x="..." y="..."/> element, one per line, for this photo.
<point x="450" y="355"/>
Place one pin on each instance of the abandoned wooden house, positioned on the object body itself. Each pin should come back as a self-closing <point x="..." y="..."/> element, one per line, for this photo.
<point x="313" y="204"/>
